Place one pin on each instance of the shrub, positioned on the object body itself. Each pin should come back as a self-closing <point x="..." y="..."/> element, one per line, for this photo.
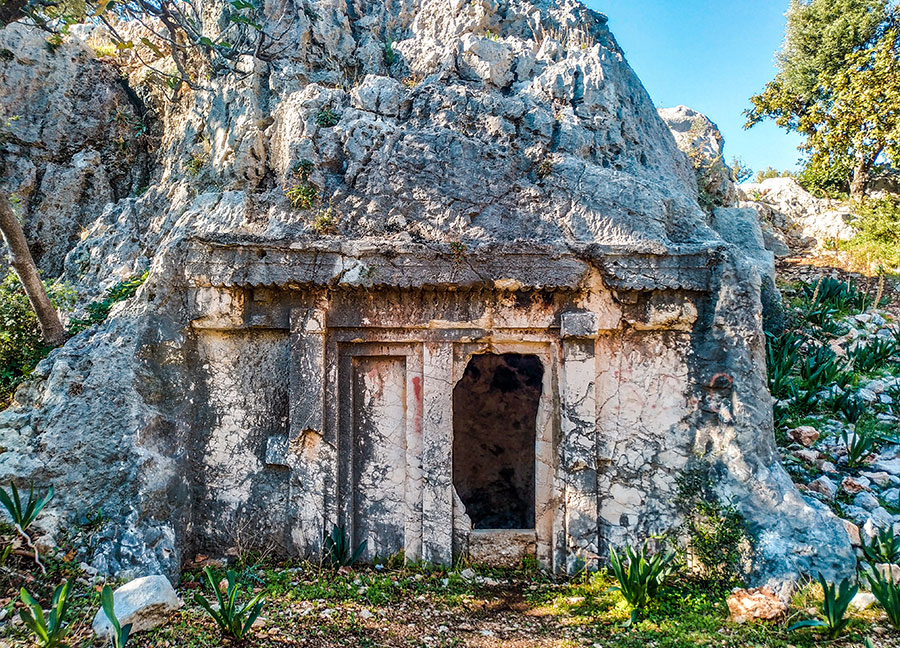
<point x="23" y="516"/>
<point x="338" y="549"/>
<point x="98" y="311"/>
<point x="303" y="195"/>
<point x="782" y="355"/>
<point x="878" y="230"/>
<point x="719" y="538"/>
<point x="120" y="633"/>
<point x="820" y="368"/>
<point x="641" y="578"/>
<point x="21" y="343"/>
<point x="834" y="608"/>
<point x="234" y="620"/>
<point x="49" y="631"/>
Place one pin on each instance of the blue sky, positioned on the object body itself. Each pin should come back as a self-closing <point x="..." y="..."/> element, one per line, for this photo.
<point x="712" y="56"/>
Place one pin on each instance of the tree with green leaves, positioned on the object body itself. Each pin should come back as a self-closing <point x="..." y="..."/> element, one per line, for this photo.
<point x="837" y="86"/>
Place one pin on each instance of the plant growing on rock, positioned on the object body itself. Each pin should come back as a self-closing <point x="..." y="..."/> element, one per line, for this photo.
<point x="326" y="118"/>
<point x="338" y="548"/>
<point x="120" y="633"/>
<point x="233" y="619"/>
<point x="98" y="311"/>
<point x="641" y="577"/>
<point x="834" y="608"/>
<point x="50" y="630"/>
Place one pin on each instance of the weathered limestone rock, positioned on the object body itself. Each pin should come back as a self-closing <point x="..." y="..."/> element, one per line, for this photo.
<point x="145" y="603"/>
<point x="703" y="143"/>
<point x="72" y="146"/>
<point x="783" y="204"/>
<point x="517" y="194"/>
<point x="805" y="435"/>
<point x="758" y="604"/>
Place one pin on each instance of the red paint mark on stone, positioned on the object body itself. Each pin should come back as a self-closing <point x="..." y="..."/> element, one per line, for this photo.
<point x="417" y="389"/>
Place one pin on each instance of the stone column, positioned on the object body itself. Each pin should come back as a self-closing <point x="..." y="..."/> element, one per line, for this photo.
<point x="578" y="445"/>
<point x="309" y="453"/>
<point x="437" y="447"/>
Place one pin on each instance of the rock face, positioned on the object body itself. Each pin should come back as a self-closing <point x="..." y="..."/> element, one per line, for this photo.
<point x="73" y="141"/>
<point x="500" y="184"/>
<point x="789" y="213"/>
<point x="145" y="603"/>
<point x="703" y="143"/>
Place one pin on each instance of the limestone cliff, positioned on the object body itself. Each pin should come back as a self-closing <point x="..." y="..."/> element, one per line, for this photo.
<point x="426" y="145"/>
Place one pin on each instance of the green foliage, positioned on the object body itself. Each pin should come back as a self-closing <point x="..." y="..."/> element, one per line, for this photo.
<point x="887" y="593"/>
<point x="834" y="608"/>
<point x="195" y="163"/>
<point x="21" y="343"/>
<point x="303" y="195"/>
<point x="878" y="231"/>
<point x="233" y="619"/>
<point x="838" y="86"/>
<point x="872" y="355"/>
<point x="782" y="355"/>
<point x="98" y="311"/>
<point x="719" y="537"/>
<point x="884" y="548"/>
<point x="338" y="550"/>
<point x="820" y="368"/>
<point x="119" y="633"/>
<point x="326" y="118"/>
<point x="642" y="576"/>
<point x="23" y="515"/>
<point x="48" y="631"/>
<point x="771" y="172"/>
<point x="827" y="176"/>
<point x="841" y="297"/>
<point x="390" y="56"/>
<point x="858" y="444"/>
<point x="325" y="221"/>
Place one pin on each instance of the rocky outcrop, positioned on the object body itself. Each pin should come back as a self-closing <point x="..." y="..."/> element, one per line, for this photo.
<point x="402" y="185"/>
<point x="702" y="141"/>
<point x="72" y="139"/>
<point x="791" y="215"/>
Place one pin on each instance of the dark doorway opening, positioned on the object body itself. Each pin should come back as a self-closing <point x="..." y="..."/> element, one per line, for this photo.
<point x="495" y="407"/>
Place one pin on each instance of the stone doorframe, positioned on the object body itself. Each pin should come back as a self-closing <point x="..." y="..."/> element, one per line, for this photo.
<point x="434" y="360"/>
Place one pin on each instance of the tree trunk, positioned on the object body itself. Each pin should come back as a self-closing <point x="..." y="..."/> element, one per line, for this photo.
<point x="23" y="263"/>
<point x="861" y="176"/>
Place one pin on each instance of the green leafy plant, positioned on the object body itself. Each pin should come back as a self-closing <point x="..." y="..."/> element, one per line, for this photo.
<point x="21" y="344"/>
<point x="338" y="548"/>
<point x="820" y="368"/>
<point x="233" y="619"/>
<point x="641" y="577"/>
<point x="23" y="515"/>
<point x="325" y="222"/>
<point x="887" y="593"/>
<point x="782" y="355"/>
<point x="326" y="118"/>
<point x="303" y="195"/>
<point x="858" y="444"/>
<point x="120" y="633"/>
<point x="834" y="608"/>
<point x="873" y="355"/>
<point x="884" y="547"/>
<point x="98" y="311"/>
<point x="49" y="631"/>
<point x="720" y="540"/>
<point x="850" y="406"/>
<point x="390" y="56"/>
